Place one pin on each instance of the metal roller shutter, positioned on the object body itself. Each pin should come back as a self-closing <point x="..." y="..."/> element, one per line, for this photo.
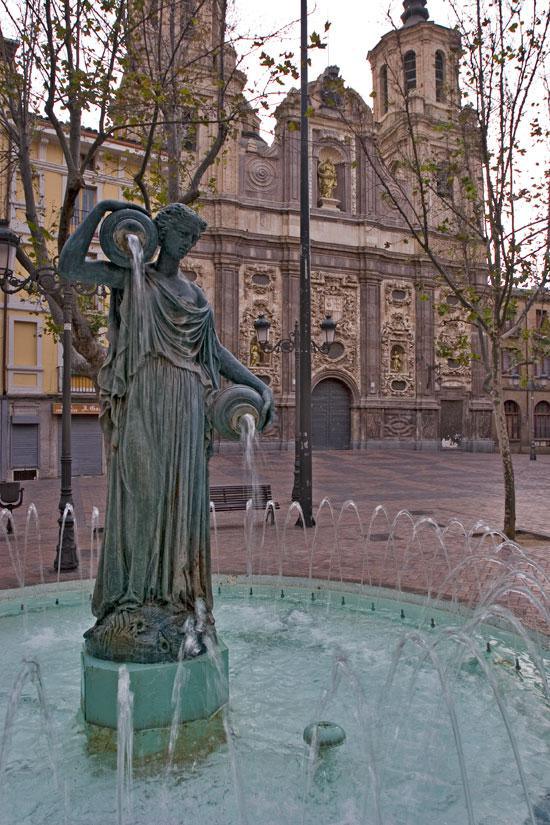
<point x="24" y="445"/>
<point x="86" y="445"/>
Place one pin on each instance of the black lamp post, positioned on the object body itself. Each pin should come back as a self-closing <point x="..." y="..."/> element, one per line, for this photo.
<point x="66" y="557"/>
<point x="302" y="487"/>
<point x="8" y="248"/>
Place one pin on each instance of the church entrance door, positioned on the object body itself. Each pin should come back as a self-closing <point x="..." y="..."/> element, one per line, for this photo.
<point x="331" y="417"/>
<point x="451" y="426"/>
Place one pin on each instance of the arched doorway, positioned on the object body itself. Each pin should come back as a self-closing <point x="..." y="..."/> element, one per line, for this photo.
<point x="331" y="418"/>
<point x="542" y="421"/>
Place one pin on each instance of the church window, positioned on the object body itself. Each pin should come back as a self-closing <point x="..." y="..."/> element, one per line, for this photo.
<point x="444" y="182"/>
<point x="439" y="76"/>
<point x="542" y="420"/>
<point x="509" y="363"/>
<point x="384" y="88"/>
<point x="85" y="202"/>
<point x="409" y="71"/>
<point x="513" y="420"/>
<point x="189" y="129"/>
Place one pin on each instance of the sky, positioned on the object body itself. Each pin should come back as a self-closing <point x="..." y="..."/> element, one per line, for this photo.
<point x="356" y="26"/>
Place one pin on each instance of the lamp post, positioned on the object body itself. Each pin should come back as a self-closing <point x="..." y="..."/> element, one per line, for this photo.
<point x="530" y="388"/>
<point x="301" y="490"/>
<point x="9" y="242"/>
<point x="303" y="439"/>
<point x="66" y="557"/>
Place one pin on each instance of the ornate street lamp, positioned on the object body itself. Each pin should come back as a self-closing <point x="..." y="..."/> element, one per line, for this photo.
<point x="301" y="490"/>
<point x="262" y="326"/>
<point x="9" y="241"/>
<point x="66" y="557"/>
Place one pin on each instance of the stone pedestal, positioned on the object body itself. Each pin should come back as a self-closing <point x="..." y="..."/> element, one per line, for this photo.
<point x="205" y="689"/>
<point x="330" y="203"/>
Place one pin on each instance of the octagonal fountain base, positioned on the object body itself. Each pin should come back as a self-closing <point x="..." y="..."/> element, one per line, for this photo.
<point x="204" y="691"/>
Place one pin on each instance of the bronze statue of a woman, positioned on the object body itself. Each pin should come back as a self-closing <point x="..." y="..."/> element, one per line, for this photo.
<point x="163" y="364"/>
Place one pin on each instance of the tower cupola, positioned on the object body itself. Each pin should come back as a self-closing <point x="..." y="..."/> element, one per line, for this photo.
<point x="415" y="12"/>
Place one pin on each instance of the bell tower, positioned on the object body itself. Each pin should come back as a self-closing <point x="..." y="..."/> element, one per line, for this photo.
<point x="415" y="65"/>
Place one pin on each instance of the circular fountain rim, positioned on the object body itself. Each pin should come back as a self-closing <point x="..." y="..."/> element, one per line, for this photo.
<point x="15" y="601"/>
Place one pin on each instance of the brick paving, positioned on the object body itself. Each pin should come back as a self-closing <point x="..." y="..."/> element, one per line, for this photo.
<point x="435" y="487"/>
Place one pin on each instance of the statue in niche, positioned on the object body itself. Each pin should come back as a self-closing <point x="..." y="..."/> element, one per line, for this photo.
<point x="255" y="354"/>
<point x="153" y="593"/>
<point x="327" y="179"/>
<point x="397" y="358"/>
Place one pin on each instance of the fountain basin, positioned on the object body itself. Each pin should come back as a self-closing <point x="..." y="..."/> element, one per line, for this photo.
<point x="293" y="661"/>
<point x="204" y="691"/>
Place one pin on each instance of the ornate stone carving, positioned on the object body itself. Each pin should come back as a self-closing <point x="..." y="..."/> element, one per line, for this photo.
<point x="452" y="339"/>
<point x="260" y="292"/>
<point x="398" y="341"/>
<point x="374" y="424"/>
<point x="397" y="294"/>
<point x="399" y="424"/>
<point x="202" y="274"/>
<point x="193" y="271"/>
<point x="429" y="422"/>
<point x="260" y="279"/>
<point x="260" y="173"/>
<point x="331" y="88"/>
<point x="339" y="296"/>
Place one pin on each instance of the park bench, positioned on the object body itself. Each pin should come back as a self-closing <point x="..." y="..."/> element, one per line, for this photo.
<point x="11" y="497"/>
<point x="235" y="497"/>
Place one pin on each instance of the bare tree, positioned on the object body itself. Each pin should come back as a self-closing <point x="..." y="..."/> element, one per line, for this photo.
<point x="162" y="74"/>
<point x="470" y="183"/>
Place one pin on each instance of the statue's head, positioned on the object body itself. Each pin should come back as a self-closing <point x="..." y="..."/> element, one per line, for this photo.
<point x="179" y="229"/>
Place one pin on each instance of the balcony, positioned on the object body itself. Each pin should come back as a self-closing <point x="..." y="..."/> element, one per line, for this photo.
<point x="80" y="384"/>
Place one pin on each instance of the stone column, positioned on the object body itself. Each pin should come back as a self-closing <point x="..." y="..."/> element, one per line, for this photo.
<point x="424" y="334"/>
<point x="370" y="336"/>
<point x="370" y="361"/>
<point x="226" y="302"/>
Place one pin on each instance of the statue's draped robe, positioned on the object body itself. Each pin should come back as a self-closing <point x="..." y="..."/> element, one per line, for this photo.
<point x="162" y="365"/>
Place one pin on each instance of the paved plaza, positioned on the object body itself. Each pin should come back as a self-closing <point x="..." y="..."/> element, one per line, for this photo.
<point x="435" y="487"/>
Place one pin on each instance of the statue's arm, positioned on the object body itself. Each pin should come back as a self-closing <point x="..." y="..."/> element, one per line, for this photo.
<point x="234" y="371"/>
<point x="73" y="265"/>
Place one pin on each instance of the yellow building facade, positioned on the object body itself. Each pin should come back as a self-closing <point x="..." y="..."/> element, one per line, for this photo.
<point x="31" y="350"/>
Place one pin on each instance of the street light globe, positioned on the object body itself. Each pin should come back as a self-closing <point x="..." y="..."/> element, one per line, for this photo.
<point x="9" y="241"/>
<point x="262" y="325"/>
<point x="328" y="327"/>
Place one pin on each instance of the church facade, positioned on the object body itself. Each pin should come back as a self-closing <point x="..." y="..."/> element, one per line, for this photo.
<point x="383" y="383"/>
<point x="387" y="381"/>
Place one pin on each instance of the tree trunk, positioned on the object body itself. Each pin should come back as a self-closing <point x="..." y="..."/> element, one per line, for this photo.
<point x="503" y="441"/>
<point x="508" y="470"/>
